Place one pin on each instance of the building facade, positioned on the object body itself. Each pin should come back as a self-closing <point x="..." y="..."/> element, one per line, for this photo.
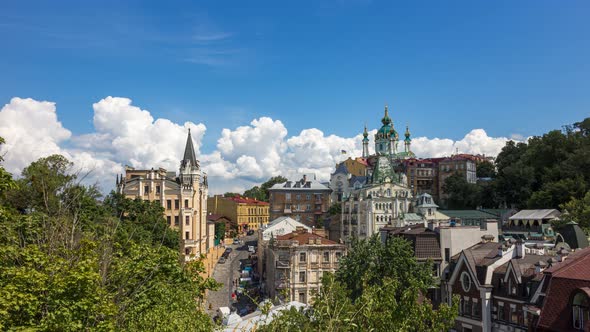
<point x="246" y="213"/>
<point x="383" y="196"/>
<point x="183" y="198"/>
<point x="296" y="263"/>
<point x="306" y="200"/>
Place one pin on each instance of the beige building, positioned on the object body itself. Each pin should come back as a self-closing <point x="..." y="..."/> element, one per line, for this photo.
<point x="247" y="213"/>
<point x="183" y="198"/>
<point x="305" y="200"/>
<point x="296" y="262"/>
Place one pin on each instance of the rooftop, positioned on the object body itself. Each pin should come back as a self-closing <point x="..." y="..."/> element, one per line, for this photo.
<point x="303" y="238"/>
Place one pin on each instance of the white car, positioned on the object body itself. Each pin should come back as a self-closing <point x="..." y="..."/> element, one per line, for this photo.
<point x="251" y="249"/>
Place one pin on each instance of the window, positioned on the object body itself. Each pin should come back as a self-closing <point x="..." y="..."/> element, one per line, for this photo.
<point x="326" y="257"/>
<point x="302" y="257"/>
<point x="447" y="255"/>
<point x="476" y="309"/>
<point x="176" y="204"/>
<point x="501" y="313"/>
<point x="513" y="315"/>
<point x="169" y="220"/>
<point x="465" y="281"/>
<point x="580" y="306"/>
<point x="187" y="220"/>
<point x="187" y="251"/>
<point x="169" y="204"/>
<point x="146" y="190"/>
<point x="467" y="307"/>
<point x="435" y="268"/>
<point x="176" y="222"/>
<point x="186" y="235"/>
<point x="302" y="297"/>
<point x="288" y="196"/>
<point x="157" y="189"/>
<point x="338" y="255"/>
<point x="308" y="197"/>
<point x="302" y="276"/>
<point x="186" y="203"/>
<point x="297" y="197"/>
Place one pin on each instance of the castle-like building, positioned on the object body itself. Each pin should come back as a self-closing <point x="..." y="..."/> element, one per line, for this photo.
<point x="183" y="197"/>
<point x="382" y="195"/>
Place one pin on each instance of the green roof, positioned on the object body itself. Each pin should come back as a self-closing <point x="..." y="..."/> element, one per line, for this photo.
<point x="468" y="214"/>
<point x="412" y="217"/>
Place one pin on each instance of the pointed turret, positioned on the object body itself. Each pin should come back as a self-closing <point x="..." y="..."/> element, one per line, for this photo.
<point x="189" y="152"/>
<point x="386" y="119"/>
<point x="407" y="140"/>
<point x="365" y="143"/>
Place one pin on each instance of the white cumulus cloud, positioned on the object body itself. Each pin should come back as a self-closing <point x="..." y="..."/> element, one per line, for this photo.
<point x="245" y="156"/>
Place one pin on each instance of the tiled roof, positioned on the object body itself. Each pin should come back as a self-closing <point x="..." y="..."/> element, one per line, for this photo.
<point x="303" y="238"/>
<point x="575" y="266"/>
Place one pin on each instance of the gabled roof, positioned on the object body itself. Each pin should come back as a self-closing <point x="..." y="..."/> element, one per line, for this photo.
<point x="536" y="214"/>
<point x="341" y="169"/>
<point x="216" y="217"/>
<point x="575" y="266"/>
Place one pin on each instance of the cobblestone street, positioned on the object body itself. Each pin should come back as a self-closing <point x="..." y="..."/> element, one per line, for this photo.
<point x="226" y="273"/>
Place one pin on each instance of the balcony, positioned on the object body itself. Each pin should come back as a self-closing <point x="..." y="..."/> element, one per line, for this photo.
<point x="283" y="264"/>
<point x="191" y="243"/>
<point x="287" y="211"/>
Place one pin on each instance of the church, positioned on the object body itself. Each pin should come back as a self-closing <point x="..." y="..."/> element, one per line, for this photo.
<point x="183" y="197"/>
<point x="384" y="195"/>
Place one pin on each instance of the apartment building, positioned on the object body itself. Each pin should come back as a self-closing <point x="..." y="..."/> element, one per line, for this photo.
<point x="295" y="264"/>
<point x="306" y="200"/>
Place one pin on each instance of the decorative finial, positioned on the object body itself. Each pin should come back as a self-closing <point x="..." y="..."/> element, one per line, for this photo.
<point x="189" y="130"/>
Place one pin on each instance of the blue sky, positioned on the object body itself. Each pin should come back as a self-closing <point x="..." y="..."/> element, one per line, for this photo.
<point x="444" y="67"/>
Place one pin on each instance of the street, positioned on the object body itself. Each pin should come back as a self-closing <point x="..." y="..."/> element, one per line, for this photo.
<point x="226" y="274"/>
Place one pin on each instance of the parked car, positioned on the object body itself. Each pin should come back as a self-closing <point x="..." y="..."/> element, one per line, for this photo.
<point x="221" y="260"/>
<point x="250" y="232"/>
<point x="229" y="250"/>
<point x="251" y="249"/>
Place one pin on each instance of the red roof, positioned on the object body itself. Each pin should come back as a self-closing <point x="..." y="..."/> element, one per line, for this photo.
<point x="303" y="237"/>
<point x="566" y="278"/>
<point x="245" y="200"/>
<point x="215" y="217"/>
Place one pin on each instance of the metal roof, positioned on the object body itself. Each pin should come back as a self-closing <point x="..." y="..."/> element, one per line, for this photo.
<point x="536" y="214"/>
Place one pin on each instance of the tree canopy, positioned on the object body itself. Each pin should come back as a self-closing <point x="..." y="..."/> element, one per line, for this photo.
<point x="71" y="262"/>
<point x="261" y="193"/>
<point x="378" y="287"/>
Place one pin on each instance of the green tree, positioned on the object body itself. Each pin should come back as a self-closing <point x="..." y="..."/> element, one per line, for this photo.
<point x="220" y="230"/>
<point x="261" y="193"/>
<point x="577" y="210"/>
<point x="391" y="301"/>
<point x="461" y="194"/>
<point x="486" y="169"/>
<point x="70" y="262"/>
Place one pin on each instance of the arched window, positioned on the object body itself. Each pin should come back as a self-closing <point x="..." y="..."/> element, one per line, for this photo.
<point x="580" y="310"/>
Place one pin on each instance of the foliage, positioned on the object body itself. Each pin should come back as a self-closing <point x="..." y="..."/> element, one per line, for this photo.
<point x="230" y="194"/>
<point x="335" y="209"/>
<point x="461" y="194"/>
<point x="70" y="262"/>
<point x="545" y="172"/>
<point x="261" y="193"/>
<point x="387" y="296"/>
<point x="577" y="210"/>
<point x="220" y="230"/>
<point x="485" y="169"/>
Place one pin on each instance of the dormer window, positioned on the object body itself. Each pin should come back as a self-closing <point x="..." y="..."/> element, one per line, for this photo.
<point x="580" y="306"/>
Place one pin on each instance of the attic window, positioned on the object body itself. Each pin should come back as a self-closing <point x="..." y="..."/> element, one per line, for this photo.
<point x="465" y="281"/>
<point x="580" y="306"/>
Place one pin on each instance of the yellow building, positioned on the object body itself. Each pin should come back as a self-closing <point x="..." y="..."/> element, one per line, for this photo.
<point x="247" y="213"/>
<point x="183" y="198"/>
<point x="356" y="166"/>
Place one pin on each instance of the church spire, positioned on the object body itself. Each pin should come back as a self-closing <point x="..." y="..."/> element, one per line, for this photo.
<point x="189" y="152"/>
<point x="365" y="143"/>
<point x="386" y="119"/>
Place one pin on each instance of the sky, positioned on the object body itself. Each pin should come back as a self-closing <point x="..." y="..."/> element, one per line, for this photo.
<point x="281" y="87"/>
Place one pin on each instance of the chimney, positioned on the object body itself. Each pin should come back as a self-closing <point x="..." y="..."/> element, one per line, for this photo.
<point x="311" y="240"/>
<point x="540" y="266"/>
<point x="562" y="254"/>
<point x="520" y="248"/>
<point x="304" y="178"/>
